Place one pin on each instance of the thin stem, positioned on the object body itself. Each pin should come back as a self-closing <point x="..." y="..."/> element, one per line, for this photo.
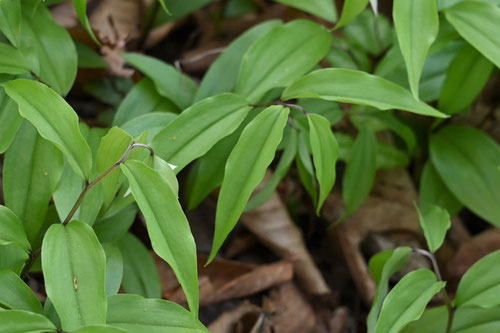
<point x="33" y="256"/>
<point x="446" y="298"/>
<point x="90" y="185"/>
<point x="293" y="106"/>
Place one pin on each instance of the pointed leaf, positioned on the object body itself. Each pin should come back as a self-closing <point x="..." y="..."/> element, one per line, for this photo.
<point x="113" y="228"/>
<point x="321" y="8"/>
<point x="16" y="295"/>
<point x="15" y="321"/>
<point x="114" y="268"/>
<point x="245" y="168"/>
<point x="348" y="86"/>
<point x="74" y="268"/>
<point x="12" y="229"/>
<point x="168" y="227"/>
<point x="54" y="119"/>
<point x="12" y="61"/>
<point x="81" y="11"/>
<point x="10" y="120"/>
<point x="435" y="221"/>
<point x="351" y="9"/>
<point x="10" y="20"/>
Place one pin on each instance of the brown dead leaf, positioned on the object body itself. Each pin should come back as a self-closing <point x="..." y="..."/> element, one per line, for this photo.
<point x="242" y="319"/>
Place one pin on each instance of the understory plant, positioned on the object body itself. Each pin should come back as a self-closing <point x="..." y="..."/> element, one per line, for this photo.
<point x="270" y="101"/>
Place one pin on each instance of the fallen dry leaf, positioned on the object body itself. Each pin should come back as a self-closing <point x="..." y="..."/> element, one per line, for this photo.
<point x="242" y="319"/>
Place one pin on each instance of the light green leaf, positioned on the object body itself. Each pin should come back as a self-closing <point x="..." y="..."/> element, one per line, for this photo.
<point x="177" y="87"/>
<point x="114" y="268"/>
<point x="10" y="20"/>
<point x="139" y="315"/>
<point x="349" y="86"/>
<point x="223" y="73"/>
<point x="166" y="171"/>
<point x="407" y="300"/>
<point x="476" y="320"/>
<point x="81" y="11"/>
<point x="12" y="229"/>
<point x="382" y="266"/>
<point x="16" y="295"/>
<point x="351" y="9"/>
<point x="12" y="61"/>
<point x="140" y="274"/>
<point x="54" y="119"/>
<point x="100" y="329"/>
<point x="435" y="221"/>
<point x="467" y="75"/>
<point x="432" y="320"/>
<point x="268" y="64"/>
<point x="467" y="160"/>
<point x="152" y="122"/>
<point x="168" y="227"/>
<point x="480" y="284"/>
<point x="245" y="169"/>
<point x="321" y="8"/>
<point x="74" y="268"/>
<point x="417" y="26"/>
<point x="477" y="23"/>
<point x="360" y="170"/>
<point x="325" y="151"/>
<point x="40" y="38"/>
<point x="14" y="321"/>
<point x="31" y="171"/>
<point x="10" y="120"/>
<point x="199" y="127"/>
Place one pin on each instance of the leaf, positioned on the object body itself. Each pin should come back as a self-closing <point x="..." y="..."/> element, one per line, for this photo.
<point x="12" y="257"/>
<point x="199" y="127"/>
<point x="467" y="161"/>
<point x="30" y="178"/>
<point x="386" y="264"/>
<point x="40" y="37"/>
<point x="407" y="300"/>
<point x="88" y="58"/>
<point x="223" y="73"/>
<point x="372" y="34"/>
<point x="177" y="87"/>
<point x="12" y="61"/>
<point x="10" y="120"/>
<point x="138" y="315"/>
<point x="12" y="229"/>
<point x="168" y="227"/>
<point x="10" y="20"/>
<point x="164" y="6"/>
<point x="432" y="320"/>
<point x="245" y="168"/>
<point x="74" y="268"/>
<point x="140" y="274"/>
<point x="480" y="283"/>
<point x="321" y="8"/>
<point x="349" y="86"/>
<point x="477" y="23"/>
<point x="435" y="221"/>
<point x="54" y="119"/>
<point x="14" y="321"/>
<point x="166" y="171"/>
<point x="325" y="151"/>
<point x="467" y="75"/>
<point x="417" y="25"/>
<point x="100" y="329"/>
<point x="114" y="268"/>
<point x="267" y="64"/>
<point x="476" y="320"/>
<point x="152" y="122"/>
<point x="16" y="295"/>
<point x="81" y="11"/>
<point x="113" y="228"/>
<point x="351" y="9"/>
<point x="360" y="171"/>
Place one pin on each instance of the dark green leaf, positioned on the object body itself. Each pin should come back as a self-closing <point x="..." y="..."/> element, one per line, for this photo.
<point x="113" y="228"/>
<point x="10" y="120"/>
<point x="114" y="268"/>
<point x="372" y="34"/>
<point x="100" y="329"/>
<point x="12" y="229"/>
<point x="88" y="58"/>
<point x="10" y="20"/>
<point x="321" y="8"/>
<point x="12" y="257"/>
<point x="435" y="221"/>
<point x="81" y="11"/>
<point x="152" y="122"/>
<point x="16" y="295"/>
<point x="15" y="321"/>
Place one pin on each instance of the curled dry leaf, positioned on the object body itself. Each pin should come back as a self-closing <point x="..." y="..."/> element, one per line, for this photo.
<point x="237" y="318"/>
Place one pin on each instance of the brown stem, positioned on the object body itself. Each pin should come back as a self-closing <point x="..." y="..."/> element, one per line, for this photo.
<point x="33" y="256"/>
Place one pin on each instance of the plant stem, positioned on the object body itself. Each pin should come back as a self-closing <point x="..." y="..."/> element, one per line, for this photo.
<point x="289" y="105"/>
<point x="446" y="298"/>
<point x="33" y="256"/>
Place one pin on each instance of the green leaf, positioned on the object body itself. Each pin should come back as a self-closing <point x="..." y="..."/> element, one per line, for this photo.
<point x="16" y="295"/>
<point x="14" y="321"/>
<point x="325" y="151"/>
<point x="417" y="26"/>
<point x="245" y="168"/>
<point x="138" y="315"/>
<point x="223" y="73"/>
<point x="113" y="228"/>
<point x="31" y="171"/>
<point x="407" y="300"/>
<point x="12" y="229"/>
<point x="467" y="75"/>
<point x="370" y="33"/>
<point x="164" y="6"/>
<point x="140" y="274"/>
<point x="166" y="171"/>
<point x="100" y="329"/>
<point x="10" y="20"/>
<point x="81" y="11"/>
<point x="435" y="221"/>
<point x="177" y="87"/>
<point x="476" y="320"/>
<point x="321" y="8"/>
<point x="168" y="227"/>
<point x="349" y="86"/>
<point x="382" y="266"/>
<point x="477" y="23"/>
<point x="12" y="257"/>
<point x="88" y="58"/>
<point x="152" y="122"/>
<point x="199" y="127"/>
<point x="351" y="9"/>
<point x="40" y="37"/>
<point x="54" y="119"/>
<point x="268" y="64"/>
<point x="10" y="120"/>
<point x="114" y="268"/>
<point x="432" y="320"/>
<point x="480" y="283"/>
<point x="467" y="160"/>
<point x="74" y="268"/>
<point x="12" y="61"/>
<point x="360" y="171"/>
